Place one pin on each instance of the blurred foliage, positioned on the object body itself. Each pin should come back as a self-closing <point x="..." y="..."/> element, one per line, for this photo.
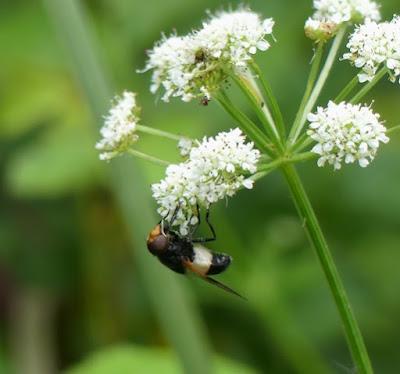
<point x="62" y="233"/>
<point x="130" y="359"/>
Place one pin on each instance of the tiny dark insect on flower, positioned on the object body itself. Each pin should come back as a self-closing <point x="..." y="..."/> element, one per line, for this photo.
<point x="185" y="254"/>
<point x="205" y="100"/>
<point x="199" y="56"/>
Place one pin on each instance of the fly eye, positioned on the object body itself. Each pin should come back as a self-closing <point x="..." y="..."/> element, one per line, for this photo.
<point x="158" y="245"/>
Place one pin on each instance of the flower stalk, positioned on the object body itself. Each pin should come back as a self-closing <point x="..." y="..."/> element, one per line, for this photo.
<point x="271" y="100"/>
<point x="347" y="90"/>
<point x="315" y="65"/>
<point x="393" y="129"/>
<point x="307" y="215"/>
<point x="250" y="89"/>
<point x="369" y="86"/>
<point x="296" y="129"/>
<point x="145" y="156"/>
<point x="248" y="126"/>
<point x="156" y="132"/>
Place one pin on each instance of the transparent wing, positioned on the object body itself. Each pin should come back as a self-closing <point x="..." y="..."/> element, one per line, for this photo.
<point x="222" y="286"/>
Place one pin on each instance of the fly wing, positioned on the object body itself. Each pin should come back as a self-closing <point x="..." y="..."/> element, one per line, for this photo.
<point x="222" y="286"/>
<point x="193" y="270"/>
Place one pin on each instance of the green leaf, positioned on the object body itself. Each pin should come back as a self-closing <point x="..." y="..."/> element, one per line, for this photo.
<point x="33" y="97"/>
<point x="63" y="159"/>
<point x="135" y="359"/>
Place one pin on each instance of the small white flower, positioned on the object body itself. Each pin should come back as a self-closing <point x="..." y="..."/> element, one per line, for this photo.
<point x="216" y="169"/>
<point x="346" y="133"/>
<point x="119" y="129"/>
<point x="185" y="145"/>
<point x="373" y="45"/>
<point x="339" y="11"/>
<point x="196" y="65"/>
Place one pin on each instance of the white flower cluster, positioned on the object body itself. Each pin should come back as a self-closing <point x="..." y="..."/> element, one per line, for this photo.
<point x="346" y="132"/>
<point x="195" y="65"/>
<point x="330" y="14"/>
<point x="216" y="168"/>
<point x="339" y="11"/>
<point x="373" y="45"/>
<point x="118" y="132"/>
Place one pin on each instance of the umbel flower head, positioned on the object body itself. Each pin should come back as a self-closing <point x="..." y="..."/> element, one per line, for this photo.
<point x="119" y="130"/>
<point x="339" y="11"/>
<point x="215" y="169"/>
<point x="346" y="133"/>
<point x="196" y="65"/>
<point x="373" y="45"/>
<point x="330" y="14"/>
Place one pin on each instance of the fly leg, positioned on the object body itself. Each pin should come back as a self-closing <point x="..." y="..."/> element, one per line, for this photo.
<point x="214" y="235"/>
<point x="166" y="225"/>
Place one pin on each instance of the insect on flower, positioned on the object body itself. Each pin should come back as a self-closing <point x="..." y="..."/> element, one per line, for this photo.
<point x="185" y="254"/>
<point x="205" y="100"/>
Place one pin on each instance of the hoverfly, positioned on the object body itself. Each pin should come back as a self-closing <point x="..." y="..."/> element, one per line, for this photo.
<point x="185" y="254"/>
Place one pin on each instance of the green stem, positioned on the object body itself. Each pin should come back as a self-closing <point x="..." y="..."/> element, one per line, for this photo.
<point x="307" y="215"/>
<point x="250" y="89"/>
<point x="156" y="132"/>
<point x="248" y="126"/>
<point x="272" y="102"/>
<point x="368" y="87"/>
<point x="147" y="157"/>
<point x="261" y="174"/>
<point x="272" y="165"/>
<point x="284" y="160"/>
<point x="347" y="90"/>
<point x="296" y="129"/>
<point x="393" y="129"/>
<point x="302" y="142"/>
<point x="316" y="63"/>
<point x="305" y="156"/>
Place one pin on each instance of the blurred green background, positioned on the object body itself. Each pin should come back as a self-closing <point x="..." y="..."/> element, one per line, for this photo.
<point x="78" y="290"/>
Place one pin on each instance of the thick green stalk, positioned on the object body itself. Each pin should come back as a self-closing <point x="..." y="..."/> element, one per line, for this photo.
<point x="176" y="312"/>
<point x="145" y="156"/>
<point x="299" y="157"/>
<point x="250" y="89"/>
<point x="316" y="63"/>
<point x="271" y="100"/>
<point x="296" y="130"/>
<point x="368" y="87"/>
<point x="307" y="215"/>
<point x="248" y="126"/>
<point x="156" y="132"/>
<point x="347" y="90"/>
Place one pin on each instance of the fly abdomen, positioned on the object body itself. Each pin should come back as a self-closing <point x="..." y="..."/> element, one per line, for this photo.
<point x="219" y="263"/>
<point x="206" y="262"/>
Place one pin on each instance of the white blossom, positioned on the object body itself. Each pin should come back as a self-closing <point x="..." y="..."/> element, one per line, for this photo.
<point x="339" y="11"/>
<point x="217" y="168"/>
<point x="185" y="145"/>
<point x="195" y="65"/>
<point x="373" y="45"/>
<point x="346" y="133"/>
<point x="119" y="129"/>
